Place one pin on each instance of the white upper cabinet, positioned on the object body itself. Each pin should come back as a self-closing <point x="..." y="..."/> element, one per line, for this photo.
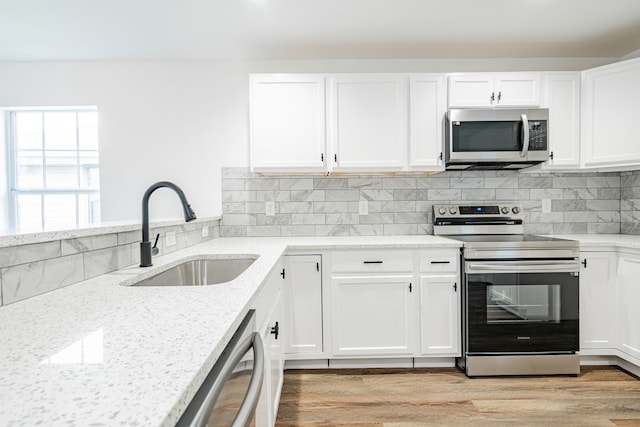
<point x="610" y="112"/>
<point x="494" y="90"/>
<point x="287" y="122"/>
<point x="427" y="108"/>
<point x="562" y="98"/>
<point x="368" y="122"/>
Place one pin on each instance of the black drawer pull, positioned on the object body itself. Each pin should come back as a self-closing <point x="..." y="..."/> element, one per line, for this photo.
<point x="372" y="262"/>
<point x="440" y="262"/>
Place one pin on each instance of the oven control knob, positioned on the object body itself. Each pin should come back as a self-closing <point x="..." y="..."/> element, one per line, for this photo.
<point x="515" y="210"/>
<point x="442" y="210"/>
<point x="452" y="211"/>
<point x="504" y="210"/>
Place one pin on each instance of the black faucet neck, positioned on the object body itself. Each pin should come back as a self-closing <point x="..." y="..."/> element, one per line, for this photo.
<point x="189" y="215"/>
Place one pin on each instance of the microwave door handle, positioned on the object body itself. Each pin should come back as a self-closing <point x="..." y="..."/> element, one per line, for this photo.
<point x="525" y="135"/>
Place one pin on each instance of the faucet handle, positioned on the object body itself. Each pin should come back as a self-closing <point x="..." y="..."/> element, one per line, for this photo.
<point x="154" y="249"/>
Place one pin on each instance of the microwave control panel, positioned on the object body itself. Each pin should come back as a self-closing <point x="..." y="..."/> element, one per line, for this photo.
<point x="538" y="135"/>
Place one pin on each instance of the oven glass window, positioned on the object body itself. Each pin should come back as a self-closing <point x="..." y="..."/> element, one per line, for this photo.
<point x="518" y="304"/>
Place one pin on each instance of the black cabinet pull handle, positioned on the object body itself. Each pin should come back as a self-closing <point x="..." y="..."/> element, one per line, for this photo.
<point x="584" y="262"/>
<point x="440" y="262"/>
<point x="372" y="262"/>
<point x="275" y="330"/>
<point x="282" y="274"/>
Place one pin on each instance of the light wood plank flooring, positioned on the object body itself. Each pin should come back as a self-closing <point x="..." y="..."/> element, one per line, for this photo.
<point x="599" y="396"/>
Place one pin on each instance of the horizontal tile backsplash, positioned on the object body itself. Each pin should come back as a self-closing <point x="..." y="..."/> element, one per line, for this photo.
<point x="402" y="204"/>
<point x="630" y="202"/>
<point x="28" y="270"/>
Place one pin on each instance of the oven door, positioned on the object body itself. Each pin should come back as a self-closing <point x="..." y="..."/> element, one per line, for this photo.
<point x="521" y="306"/>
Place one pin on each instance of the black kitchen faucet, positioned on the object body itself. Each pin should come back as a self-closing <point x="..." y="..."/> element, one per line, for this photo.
<point x="145" y="246"/>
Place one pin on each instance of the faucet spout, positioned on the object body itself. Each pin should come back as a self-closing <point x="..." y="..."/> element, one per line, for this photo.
<point x="145" y="245"/>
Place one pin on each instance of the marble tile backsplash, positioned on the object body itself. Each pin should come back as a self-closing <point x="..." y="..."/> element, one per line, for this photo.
<point x="630" y="202"/>
<point x="307" y="205"/>
<point x="32" y="269"/>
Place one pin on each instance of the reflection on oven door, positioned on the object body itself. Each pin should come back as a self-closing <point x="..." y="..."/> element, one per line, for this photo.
<point x="513" y="304"/>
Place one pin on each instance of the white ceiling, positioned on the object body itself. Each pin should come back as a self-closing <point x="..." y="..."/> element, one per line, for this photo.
<point x="316" y="29"/>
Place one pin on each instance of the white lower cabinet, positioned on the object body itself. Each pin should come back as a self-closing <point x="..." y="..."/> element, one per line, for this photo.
<point x="598" y="297"/>
<point x="303" y="304"/>
<point x="629" y="297"/>
<point x="269" y="314"/>
<point x="439" y="315"/>
<point x="373" y="315"/>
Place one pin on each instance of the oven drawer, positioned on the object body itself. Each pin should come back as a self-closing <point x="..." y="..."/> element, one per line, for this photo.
<point x="373" y="261"/>
<point x="439" y="261"/>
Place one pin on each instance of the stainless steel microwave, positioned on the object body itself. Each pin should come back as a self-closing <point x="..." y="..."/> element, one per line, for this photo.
<point x="496" y="138"/>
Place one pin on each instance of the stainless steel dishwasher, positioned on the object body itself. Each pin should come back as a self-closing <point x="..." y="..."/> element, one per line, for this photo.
<point x="230" y="392"/>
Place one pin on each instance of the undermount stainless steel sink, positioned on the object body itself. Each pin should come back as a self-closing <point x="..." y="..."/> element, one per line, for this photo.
<point x="200" y="272"/>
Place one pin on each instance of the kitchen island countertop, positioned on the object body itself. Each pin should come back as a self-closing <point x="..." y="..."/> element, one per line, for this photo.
<point x="101" y="353"/>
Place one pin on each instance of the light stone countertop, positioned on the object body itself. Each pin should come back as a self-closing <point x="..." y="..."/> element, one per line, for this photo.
<point x="587" y="241"/>
<point x="100" y="353"/>
<point x="9" y="238"/>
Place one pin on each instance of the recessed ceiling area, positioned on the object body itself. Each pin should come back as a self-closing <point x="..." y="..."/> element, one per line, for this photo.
<point x="77" y="30"/>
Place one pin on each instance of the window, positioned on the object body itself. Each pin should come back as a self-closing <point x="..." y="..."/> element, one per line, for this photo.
<point x="54" y="170"/>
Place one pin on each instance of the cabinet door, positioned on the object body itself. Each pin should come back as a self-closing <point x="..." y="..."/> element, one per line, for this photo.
<point x="269" y="314"/>
<point x="368" y="122"/>
<point x="628" y="273"/>
<point x="303" y="303"/>
<point x="287" y="122"/>
<point x="610" y="115"/>
<point x="427" y="108"/>
<point x="562" y="98"/>
<point x="517" y="89"/>
<point x="471" y="90"/>
<point x="439" y="315"/>
<point x="373" y="315"/>
<point x="598" y="297"/>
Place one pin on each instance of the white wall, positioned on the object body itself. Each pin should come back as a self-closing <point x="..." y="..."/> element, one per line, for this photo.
<point x="183" y="120"/>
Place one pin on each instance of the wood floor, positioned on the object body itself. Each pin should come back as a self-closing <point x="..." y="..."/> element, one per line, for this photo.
<point x="599" y="396"/>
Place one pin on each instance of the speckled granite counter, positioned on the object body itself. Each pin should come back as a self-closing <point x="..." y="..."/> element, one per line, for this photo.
<point x="587" y="241"/>
<point x="99" y="353"/>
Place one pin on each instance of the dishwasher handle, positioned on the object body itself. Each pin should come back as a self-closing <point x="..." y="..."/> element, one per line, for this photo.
<point x="243" y="417"/>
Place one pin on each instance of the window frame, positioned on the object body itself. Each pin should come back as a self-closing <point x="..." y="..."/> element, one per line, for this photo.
<point x="12" y="162"/>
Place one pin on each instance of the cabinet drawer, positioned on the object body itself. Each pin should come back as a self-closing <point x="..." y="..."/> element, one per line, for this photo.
<point x="371" y="261"/>
<point x="439" y="262"/>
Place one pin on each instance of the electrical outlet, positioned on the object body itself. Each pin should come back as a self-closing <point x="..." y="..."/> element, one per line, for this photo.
<point x="270" y="208"/>
<point x="546" y="205"/>
<point x="205" y="231"/>
<point x="170" y="238"/>
<point x="363" y="207"/>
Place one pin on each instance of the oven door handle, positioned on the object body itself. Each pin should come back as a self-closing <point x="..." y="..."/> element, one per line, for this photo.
<point x="250" y="400"/>
<point x="522" y="267"/>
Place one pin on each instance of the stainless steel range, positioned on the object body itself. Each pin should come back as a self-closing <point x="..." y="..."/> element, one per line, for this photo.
<point x="520" y="293"/>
